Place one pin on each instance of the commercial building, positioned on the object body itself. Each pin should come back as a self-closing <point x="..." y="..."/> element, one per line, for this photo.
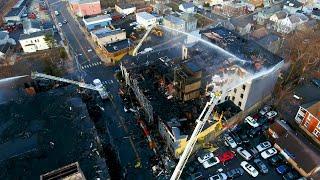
<point x="125" y="9"/>
<point x="172" y="84"/>
<point x="15" y="14"/>
<point x="115" y="51"/>
<point x="35" y="41"/>
<point x="97" y="22"/>
<point x="174" y="22"/>
<point x="105" y="36"/>
<point x="85" y="7"/>
<point x="297" y="151"/>
<point x="308" y="118"/>
<point x="145" y="19"/>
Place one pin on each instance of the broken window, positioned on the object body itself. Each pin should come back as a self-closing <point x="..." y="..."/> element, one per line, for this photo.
<point x="244" y="87"/>
<point x="239" y="104"/>
<point x="241" y="95"/>
<point x="233" y="98"/>
<point x="235" y="90"/>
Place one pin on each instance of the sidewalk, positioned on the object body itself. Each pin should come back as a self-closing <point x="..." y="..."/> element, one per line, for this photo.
<point x="97" y="50"/>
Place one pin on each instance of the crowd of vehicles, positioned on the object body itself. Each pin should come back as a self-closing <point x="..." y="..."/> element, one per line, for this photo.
<point x="256" y="159"/>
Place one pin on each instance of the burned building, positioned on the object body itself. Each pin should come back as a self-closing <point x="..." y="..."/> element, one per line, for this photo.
<point x="172" y="85"/>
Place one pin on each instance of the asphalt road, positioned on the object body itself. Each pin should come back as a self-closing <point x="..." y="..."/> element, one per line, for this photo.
<point x="124" y="132"/>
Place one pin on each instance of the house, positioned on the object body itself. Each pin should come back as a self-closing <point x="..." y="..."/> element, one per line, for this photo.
<point x="308" y="118"/>
<point x="125" y="9"/>
<point x="85" y="7"/>
<point x="315" y="13"/>
<point x="259" y="33"/>
<point x="242" y="25"/>
<point x="272" y="42"/>
<point x="161" y="9"/>
<point x="97" y="22"/>
<point x="278" y="16"/>
<point x="187" y="7"/>
<point x="232" y="9"/>
<point x="263" y="16"/>
<point x="105" y="36"/>
<point x="302" y="156"/>
<point x="190" y="22"/>
<point x="115" y="51"/>
<point x="145" y="19"/>
<point x="292" y="6"/>
<point x="256" y="3"/>
<point x="31" y="26"/>
<point x="174" y="22"/>
<point x="16" y="12"/>
<point x="35" y="41"/>
<point x="290" y="23"/>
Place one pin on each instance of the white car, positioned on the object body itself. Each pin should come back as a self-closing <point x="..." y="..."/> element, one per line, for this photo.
<point x="244" y="153"/>
<point x="263" y="146"/>
<point x="56" y="13"/>
<point x="204" y="157"/>
<point x="264" y="110"/>
<point x="271" y="114"/>
<point x="230" y="142"/>
<point x="268" y="153"/>
<point x="220" y="176"/>
<point x="251" y="121"/>
<point x="59" y="24"/>
<point x="211" y="162"/>
<point x="249" y="168"/>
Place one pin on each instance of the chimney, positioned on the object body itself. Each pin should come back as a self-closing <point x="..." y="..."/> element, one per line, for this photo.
<point x="184" y="52"/>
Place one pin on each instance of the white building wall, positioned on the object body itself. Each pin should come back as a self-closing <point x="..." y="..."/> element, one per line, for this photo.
<point x="34" y="44"/>
<point x="126" y="11"/>
<point x="109" y="39"/>
<point x="145" y="22"/>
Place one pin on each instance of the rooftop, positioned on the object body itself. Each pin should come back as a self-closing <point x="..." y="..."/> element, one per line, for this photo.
<point x="4" y="47"/>
<point x="125" y="5"/>
<point x="293" y="3"/>
<point x="96" y="19"/>
<point x="117" y="46"/>
<point x="3" y="34"/>
<point x="313" y="108"/>
<point x="35" y="34"/>
<point x="145" y="15"/>
<point x="306" y="156"/>
<point x="106" y="32"/>
<point x="20" y="6"/>
<point x="268" y="39"/>
<point x="86" y="1"/>
<point x="174" y="19"/>
<point x="187" y="5"/>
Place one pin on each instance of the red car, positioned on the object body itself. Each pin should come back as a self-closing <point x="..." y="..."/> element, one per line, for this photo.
<point x="226" y="156"/>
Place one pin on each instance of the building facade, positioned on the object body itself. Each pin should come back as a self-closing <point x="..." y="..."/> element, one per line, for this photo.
<point x="106" y="36"/>
<point x="308" y="118"/>
<point x="145" y="19"/>
<point x="97" y="22"/>
<point x="35" y="41"/>
<point x="15" y="14"/>
<point x="85" y="7"/>
<point x="174" y="22"/>
<point x="125" y="9"/>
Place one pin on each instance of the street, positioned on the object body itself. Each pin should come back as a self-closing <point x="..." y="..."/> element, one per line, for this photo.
<point x="122" y="127"/>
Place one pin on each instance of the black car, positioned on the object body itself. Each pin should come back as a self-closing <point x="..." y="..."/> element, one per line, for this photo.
<point x="275" y="160"/>
<point x="244" y="137"/>
<point x="236" y="138"/>
<point x="235" y="173"/>
<point x="255" y="131"/>
<point x="261" y="166"/>
<point x="197" y="175"/>
<point x="291" y="175"/>
<point x="263" y="120"/>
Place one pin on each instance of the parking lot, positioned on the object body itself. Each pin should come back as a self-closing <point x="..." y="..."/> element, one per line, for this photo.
<point x="246" y="136"/>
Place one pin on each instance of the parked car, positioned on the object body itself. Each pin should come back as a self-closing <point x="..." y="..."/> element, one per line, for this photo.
<point x="265" y="110"/>
<point x="268" y="153"/>
<point x="59" y="24"/>
<point x="263" y="146"/>
<point x="230" y="142"/>
<point x="244" y="137"/>
<point x="282" y="169"/>
<point x="275" y="160"/>
<point x="236" y="138"/>
<point x="65" y="21"/>
<point x="211" y="162"/>
<point x="254" y="152"/>
<point x="56" y="13"/>
<point x="263" y="120"/>
<point x="234" y="173"/>
<point x="271" y="114"/>
<point x="291" y="175"/>
<point x="251" y="121"/>
<point x="196" y="176"/>
<point x="205" y="156"/>
<point x="226" y="156"/>
<point x="261" y="166"/>
<point x="220" y="176"/>
<point x="255" y="131"/>
<point x="249" y="168"/>
<point x="244" y="153"/>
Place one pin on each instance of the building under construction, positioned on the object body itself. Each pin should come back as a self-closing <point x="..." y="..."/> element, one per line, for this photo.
<point x="172" y="85"/>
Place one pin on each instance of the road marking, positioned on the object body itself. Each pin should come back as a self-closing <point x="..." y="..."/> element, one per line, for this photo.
<point x="91" y="65"/>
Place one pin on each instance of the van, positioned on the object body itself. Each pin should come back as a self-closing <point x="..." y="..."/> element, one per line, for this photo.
<point x="244" y="153"/>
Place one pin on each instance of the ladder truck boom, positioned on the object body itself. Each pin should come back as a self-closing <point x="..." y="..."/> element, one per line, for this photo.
<point x="136" y="49"/>
<point x="201" y="121"/>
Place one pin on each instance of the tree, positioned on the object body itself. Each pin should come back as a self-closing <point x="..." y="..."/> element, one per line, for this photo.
<point x="302" y="51"/>
<point x="49" y="40"/>
<point x="63" y="53"/>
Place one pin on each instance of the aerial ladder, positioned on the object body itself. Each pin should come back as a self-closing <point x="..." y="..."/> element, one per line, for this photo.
<point x="201" y="121"/>
<point x="136" y="49"/>
<point x="96" y="86"/>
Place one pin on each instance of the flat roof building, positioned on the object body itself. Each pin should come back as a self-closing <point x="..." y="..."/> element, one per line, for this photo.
<point x="106" y="36"/>
<point x="97" y="22"/>
<point x="125" y="9"/>
<point x="14" y="15"/>
<point x="145" y="19"/>
<point x="85" y="7"/>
